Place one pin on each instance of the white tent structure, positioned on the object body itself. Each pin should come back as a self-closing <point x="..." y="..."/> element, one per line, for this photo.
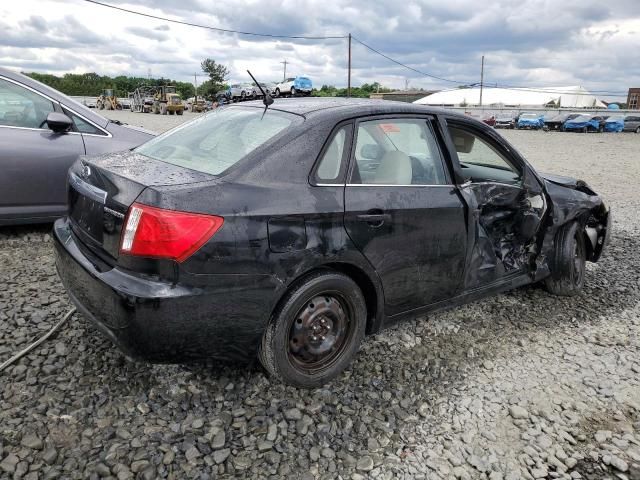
<point x="566" y="97"/>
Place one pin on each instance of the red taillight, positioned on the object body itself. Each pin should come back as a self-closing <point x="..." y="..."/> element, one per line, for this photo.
<point x="155" y="232"/>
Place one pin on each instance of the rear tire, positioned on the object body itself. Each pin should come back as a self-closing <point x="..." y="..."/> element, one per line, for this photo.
<point x="293" y="92"/>
<point x="277" y="92"/>
<point x="638" y="130"/>
<point x="315" y="332"/>
<point x="568" y="262"/>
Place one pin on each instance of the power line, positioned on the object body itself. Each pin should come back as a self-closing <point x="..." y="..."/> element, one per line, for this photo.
<point x="498" y="85"/>
<point x="329" y="37"/>
<point x="407" y="66"/>
<point x="224" y="30"/>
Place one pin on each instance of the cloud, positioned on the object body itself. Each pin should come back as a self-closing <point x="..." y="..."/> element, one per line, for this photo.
<point x="535" y="43"/>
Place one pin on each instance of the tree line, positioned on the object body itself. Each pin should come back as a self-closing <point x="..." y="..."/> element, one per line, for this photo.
<point x="92" y="84"/>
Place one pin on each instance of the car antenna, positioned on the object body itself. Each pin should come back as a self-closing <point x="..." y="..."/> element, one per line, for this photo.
<point x="266" y="98"/>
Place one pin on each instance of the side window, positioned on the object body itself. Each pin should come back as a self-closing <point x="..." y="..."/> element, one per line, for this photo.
<point x="480" y="160"/>
<point x="397" y="152"/>
<point x="332" y="163"/>
<point x="20" y="107"/>
<point x="81" y="125"/>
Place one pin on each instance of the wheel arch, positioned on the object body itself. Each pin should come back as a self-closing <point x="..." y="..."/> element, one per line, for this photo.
<point x="372" y="292"/>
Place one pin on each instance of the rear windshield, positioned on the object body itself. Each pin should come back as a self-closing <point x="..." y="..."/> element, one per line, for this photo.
<point x="219" y="139"/>
<point x="529" y="115"/>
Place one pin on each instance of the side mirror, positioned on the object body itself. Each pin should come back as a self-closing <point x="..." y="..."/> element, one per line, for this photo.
<point x="59" y="122"/>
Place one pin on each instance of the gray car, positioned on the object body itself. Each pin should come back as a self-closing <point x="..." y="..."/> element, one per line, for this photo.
<point x="632" y="123"/>
<point x="42" y="132"/>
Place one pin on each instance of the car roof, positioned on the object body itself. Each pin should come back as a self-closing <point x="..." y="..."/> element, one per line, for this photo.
<point x="345" y="107"/>
<point x="55" y="95"/>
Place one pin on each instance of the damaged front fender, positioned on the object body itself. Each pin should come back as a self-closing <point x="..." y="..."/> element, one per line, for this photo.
<point x="573" y="200"/>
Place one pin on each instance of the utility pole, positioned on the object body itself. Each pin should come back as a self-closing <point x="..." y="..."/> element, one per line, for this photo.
<point x="284" y="77"/>
<point x="481" y="78"/>
<point x="349" y="70"/>
<point x="195" y="81"/>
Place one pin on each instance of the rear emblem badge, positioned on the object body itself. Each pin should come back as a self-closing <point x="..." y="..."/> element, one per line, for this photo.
<point x="113" y="212"/>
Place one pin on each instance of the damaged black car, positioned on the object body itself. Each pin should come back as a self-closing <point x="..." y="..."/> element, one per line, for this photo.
<point x="289" y="234"/>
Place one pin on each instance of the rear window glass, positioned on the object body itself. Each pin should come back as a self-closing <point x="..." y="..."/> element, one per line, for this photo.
<point x="218" y="140"/>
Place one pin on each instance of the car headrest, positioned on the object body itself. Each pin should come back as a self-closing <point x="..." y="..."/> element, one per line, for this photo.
<point x="394" y="169"/>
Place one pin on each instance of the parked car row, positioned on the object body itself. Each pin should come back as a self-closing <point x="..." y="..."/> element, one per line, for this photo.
<point x="567" y="122"/>
<point x="289" y="87"/>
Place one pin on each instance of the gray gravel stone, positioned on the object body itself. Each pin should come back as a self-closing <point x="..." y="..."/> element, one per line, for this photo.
<point x="293" y="414"/>
<point x="518" y="412"/>
<point x="32" y="441"/>
<point x="365" y="464"/>
<point x="220" y="456"/>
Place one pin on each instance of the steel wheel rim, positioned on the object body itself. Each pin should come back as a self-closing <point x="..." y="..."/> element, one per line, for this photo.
<point x="319" y="333"/>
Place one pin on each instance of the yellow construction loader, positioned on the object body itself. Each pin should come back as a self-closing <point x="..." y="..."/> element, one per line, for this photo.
<point x="167" y="100"/>
<point x="108" y="101"/>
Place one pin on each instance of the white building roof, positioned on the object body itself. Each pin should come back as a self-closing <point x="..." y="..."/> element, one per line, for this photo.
<point x="572" y="97"/>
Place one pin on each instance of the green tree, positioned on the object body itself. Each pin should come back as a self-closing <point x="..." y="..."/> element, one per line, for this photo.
<point x="218" y="75"/>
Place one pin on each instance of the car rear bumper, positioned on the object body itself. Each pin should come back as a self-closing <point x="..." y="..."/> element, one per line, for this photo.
<point x="221" y="318"/>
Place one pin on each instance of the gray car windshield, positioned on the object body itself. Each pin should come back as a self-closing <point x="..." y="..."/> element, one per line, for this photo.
<point x="218" y="140"/>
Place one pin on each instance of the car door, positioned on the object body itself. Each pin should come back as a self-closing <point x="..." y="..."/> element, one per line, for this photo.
<point x="403" y="212"/>
<point x="33" y="159"/>
<point x="505" y="200"/>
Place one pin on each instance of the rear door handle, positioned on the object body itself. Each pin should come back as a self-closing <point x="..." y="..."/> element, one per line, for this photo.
<point x="376" y="219"/>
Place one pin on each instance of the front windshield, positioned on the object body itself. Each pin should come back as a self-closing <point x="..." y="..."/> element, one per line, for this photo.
<point x="217" y="140"/>
<point x="619" y="118"/>
<point x="529" y="115"/>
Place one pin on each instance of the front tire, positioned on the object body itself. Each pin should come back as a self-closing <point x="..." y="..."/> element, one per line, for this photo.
<point x="315" y="332"/>
<point x="638" y="130"/>
<point x="568" y="263"/>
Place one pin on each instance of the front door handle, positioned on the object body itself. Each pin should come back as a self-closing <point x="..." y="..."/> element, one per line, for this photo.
<point x="375" y="218"/>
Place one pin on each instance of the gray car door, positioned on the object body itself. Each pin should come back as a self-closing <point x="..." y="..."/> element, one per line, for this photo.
<point x="33" y="159"/>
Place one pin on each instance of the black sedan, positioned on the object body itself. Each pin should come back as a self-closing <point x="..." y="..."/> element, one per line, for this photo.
<point x="291" y="235"/>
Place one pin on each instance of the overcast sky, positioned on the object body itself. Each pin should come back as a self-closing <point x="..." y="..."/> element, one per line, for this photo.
<point x="535" y="43"/>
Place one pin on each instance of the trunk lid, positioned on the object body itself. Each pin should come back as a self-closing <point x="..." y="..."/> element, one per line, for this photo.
<point x="102" y="188"/>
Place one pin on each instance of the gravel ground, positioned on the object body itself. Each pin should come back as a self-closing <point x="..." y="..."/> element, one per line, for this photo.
<point x="521" y="385"/>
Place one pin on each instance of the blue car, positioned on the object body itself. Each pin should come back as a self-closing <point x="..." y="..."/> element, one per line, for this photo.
<point x="532" y="121"/>
<point x="294" y="86"/>
<point x="585" y="123"/>
<point x="614" y="124"/>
